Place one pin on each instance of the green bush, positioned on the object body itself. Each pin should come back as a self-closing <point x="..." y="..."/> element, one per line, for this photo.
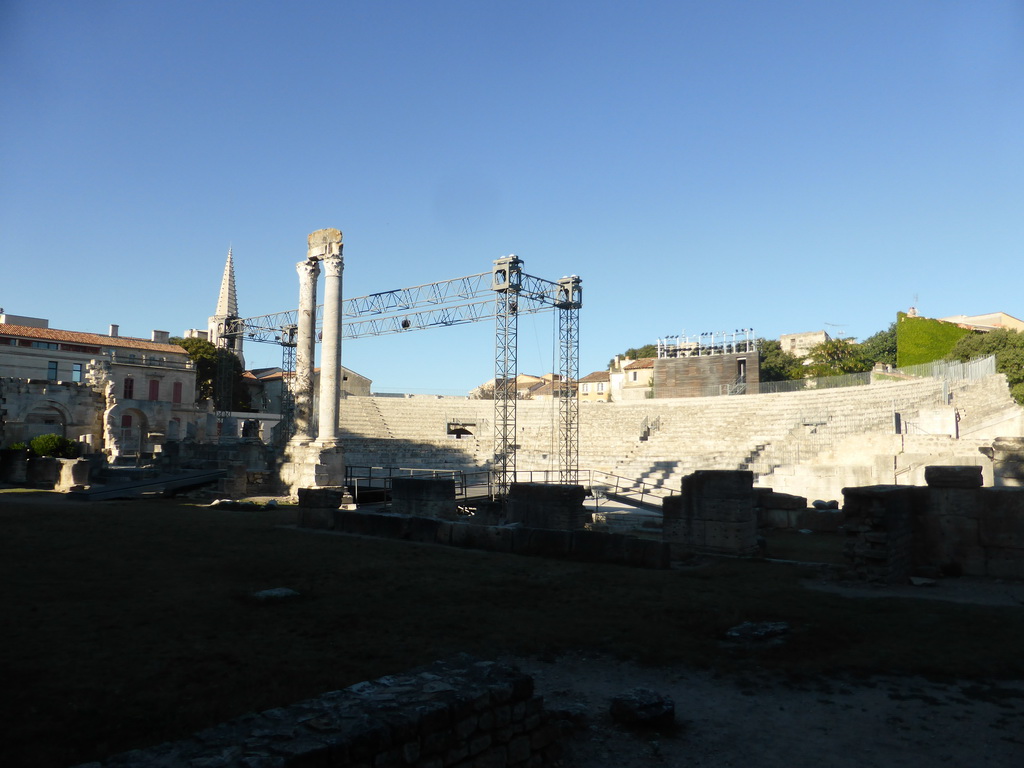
<point x="54" y="445"/>
<point x="1006" y="345"/>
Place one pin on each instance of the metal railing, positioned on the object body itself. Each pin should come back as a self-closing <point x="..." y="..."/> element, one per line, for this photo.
<point x="951" y="370"/>
<point x="639" y="491"/>
<point x="365" y="479"/>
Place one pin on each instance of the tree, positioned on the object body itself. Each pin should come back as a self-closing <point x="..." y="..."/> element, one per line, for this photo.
<point x="836" y="357"/>
<point x="54" y="445"/>
<point x="207" y="359"/>
<point x="1007" y="346"/>
<point x="881" y="347"/>
<point x="777" y="364"/>
<point x="636" y="353"/>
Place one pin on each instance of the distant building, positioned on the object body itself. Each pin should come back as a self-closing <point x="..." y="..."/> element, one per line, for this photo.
<point x="800" y="344"/>
<point x="595" y="388"/>
<point x="991" y="322"/>
<point x="118" y="394"/>
<point x="526" y="387"/>
<point x="638" y="379"/>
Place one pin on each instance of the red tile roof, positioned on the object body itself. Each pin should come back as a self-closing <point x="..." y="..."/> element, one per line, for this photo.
<point x="90" y="339"/>
<point x="643" y="362"/>
<point x="596" y="376"/>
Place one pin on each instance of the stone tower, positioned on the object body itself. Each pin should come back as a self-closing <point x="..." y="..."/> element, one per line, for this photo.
<point x="227" y="308"/>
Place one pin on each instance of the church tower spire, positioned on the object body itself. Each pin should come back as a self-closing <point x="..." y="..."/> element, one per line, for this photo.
<point x="227" y="301"/>
<point x="227" y="308"/>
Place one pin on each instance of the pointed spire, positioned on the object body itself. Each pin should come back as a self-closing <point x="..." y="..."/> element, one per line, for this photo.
<point x="227" y="303"/>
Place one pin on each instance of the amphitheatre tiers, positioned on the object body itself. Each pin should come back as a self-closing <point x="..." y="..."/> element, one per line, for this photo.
<point x="811" y="443"/>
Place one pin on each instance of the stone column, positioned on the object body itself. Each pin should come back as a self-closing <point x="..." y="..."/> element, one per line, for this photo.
<point x="305" y="350"/>
<point x="330" y="352"/>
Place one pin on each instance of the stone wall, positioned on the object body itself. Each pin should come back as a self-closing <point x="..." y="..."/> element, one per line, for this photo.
<point x="879" y="529"/>
<point x="714" y="515"/>
<point x="954" y="526"/>
<point x="425" y="497"/>
<point x="1007" y="454"/>
<point x="457" y="714"/>
<point x="590" y="546"/>
<point x="33" y="407"/>
<point x="548" y="505"/>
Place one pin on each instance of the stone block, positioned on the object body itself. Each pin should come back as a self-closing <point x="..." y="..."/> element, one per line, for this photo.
<point x="1004" y="563"/>
<point x="461" y="535"/>
<point x="591" y="546"/>
<point x="769" y="499"/>
<point x="329" y="498"/>
<point x="424" y="497"/>
<point x="543" y="542"/>
<point x="964" y="502"/>
<point x="819" y="520"/>
<point x="647" y="553"/>
<point x="387" y="526"/>
<point x="1001" y="522"/>
<point x="422" y="529"/>
<point x="953" y="477"/>
<point x="42" y="472"/>
<point x="444" y="532"/>
<point x="729" y="537"/>
<point x="776" y="518"/>
<point x="487" y="537"/>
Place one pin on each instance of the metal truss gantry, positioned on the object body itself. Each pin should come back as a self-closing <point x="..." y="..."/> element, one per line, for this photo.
<point x="504" y="293"/>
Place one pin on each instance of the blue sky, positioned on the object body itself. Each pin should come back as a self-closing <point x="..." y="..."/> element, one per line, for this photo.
<point x="785" y="166"/>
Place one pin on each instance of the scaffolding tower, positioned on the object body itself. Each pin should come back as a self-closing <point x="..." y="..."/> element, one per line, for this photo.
<point x="503" y="294"/>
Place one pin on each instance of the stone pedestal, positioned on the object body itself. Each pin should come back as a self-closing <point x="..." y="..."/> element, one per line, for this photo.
<point x="311" y="466"/>
<point x="714" y="515"/>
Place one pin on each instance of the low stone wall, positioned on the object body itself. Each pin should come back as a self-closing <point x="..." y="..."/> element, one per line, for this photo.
<point x="589" y="546"/>
<point x="426" y="497"/>
<point x="548" y="505"/>
<point x="457" y="714"/>
<point x="953" y="527"/>
<point x="879" y="530"/>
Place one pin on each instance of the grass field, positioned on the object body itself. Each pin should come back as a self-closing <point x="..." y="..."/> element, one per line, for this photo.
<point x="130" y="623"/>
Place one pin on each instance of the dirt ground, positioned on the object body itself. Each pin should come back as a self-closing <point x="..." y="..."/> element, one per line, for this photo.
<point x="760" y="722"/>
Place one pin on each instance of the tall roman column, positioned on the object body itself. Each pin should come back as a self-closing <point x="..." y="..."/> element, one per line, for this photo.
<point x="330" y="352"/>
<point x="305" y="350"/>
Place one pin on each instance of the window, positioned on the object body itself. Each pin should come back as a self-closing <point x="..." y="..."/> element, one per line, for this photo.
<point x="129" y="388"/>
<point x="600" y="387"/>
<point x="633" y="374"/>
<point x="126" y="422"/>
<point x="176" y="392"/>
<point x="154" y="389"/>
<point x="586" y="389"/>
<point x="76" y="371"/>
<point x="43" y="345"/>
<point x="51" y="370"/>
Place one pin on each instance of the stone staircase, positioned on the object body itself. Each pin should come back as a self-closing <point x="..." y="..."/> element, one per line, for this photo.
<point x="772" y="435"/>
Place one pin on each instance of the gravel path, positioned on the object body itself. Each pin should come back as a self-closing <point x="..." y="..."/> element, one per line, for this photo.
<point x="760" y="722"/>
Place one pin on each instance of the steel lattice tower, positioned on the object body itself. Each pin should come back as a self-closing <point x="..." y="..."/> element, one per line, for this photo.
<point x="568" y="302"/>
<point x="506" y="283"/>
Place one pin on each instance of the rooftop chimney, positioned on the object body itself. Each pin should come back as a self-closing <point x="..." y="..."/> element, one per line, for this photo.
<point x="113" y="329"/>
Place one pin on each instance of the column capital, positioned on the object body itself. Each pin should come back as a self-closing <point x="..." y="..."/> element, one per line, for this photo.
<point x="308" y="268"/>
<point x="334" y="266"/>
